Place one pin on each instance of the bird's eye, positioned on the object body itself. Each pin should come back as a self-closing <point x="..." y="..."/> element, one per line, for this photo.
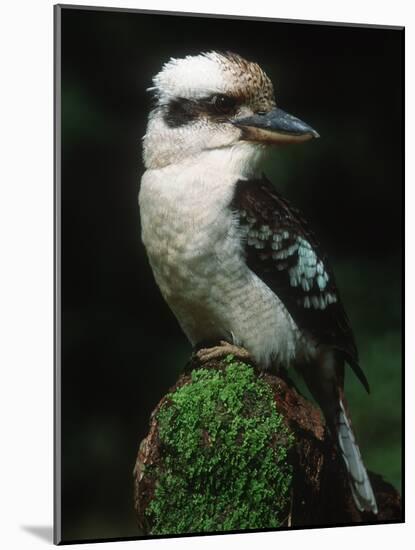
<point x="224" y="103"/>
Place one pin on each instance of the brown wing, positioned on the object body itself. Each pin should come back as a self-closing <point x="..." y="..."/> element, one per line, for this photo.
<point x="281" y="250"/>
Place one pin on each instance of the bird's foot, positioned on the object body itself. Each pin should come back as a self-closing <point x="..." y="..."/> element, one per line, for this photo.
<point x="206" y="355"/>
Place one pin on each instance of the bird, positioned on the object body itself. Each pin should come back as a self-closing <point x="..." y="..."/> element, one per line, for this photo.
<point x="238" y="265"/>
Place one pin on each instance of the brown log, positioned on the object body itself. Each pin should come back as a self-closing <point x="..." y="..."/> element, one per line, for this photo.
<point x="320" y="489"/>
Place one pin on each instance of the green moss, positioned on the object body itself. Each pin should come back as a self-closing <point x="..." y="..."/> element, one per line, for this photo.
<point x="224" y="449"/>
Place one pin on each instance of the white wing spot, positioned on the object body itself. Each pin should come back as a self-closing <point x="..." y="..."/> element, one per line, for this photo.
<point x="315" y="302"/>
<point x="305" y="284"/>
<point x="321" y="281"/>
<point x="331" y="298"/>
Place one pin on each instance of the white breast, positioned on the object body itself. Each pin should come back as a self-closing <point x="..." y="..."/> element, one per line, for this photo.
<point x="195" y="250"/>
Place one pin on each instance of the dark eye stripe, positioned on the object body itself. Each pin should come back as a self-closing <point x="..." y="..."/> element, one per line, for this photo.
<point x="224" y="104"/>
<point x="182" y="111"/>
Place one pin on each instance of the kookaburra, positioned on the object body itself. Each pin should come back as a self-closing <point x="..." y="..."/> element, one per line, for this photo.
<point x="234" y="261"/>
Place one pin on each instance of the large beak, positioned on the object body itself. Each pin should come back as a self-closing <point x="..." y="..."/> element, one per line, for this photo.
<point x="275" y="127"/>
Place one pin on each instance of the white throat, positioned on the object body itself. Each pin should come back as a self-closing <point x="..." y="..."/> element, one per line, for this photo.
<point x="240" y="161"/>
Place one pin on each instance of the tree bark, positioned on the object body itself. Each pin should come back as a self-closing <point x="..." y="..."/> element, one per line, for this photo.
<point x="320" y="494"/>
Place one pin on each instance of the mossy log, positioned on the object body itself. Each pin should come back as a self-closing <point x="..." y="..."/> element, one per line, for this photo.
<point x="230" y="448"/>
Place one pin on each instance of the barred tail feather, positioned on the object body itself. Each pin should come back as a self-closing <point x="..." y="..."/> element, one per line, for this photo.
<point x="359" y="481"/>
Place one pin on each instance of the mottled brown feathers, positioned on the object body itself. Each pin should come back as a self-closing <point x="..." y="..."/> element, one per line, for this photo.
<point x="254" y="84"/>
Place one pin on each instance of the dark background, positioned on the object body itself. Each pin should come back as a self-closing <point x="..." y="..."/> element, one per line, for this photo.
<point x="121" y="346"/>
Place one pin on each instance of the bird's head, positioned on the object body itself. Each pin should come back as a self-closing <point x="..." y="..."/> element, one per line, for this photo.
<point x="215" y="101"/>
